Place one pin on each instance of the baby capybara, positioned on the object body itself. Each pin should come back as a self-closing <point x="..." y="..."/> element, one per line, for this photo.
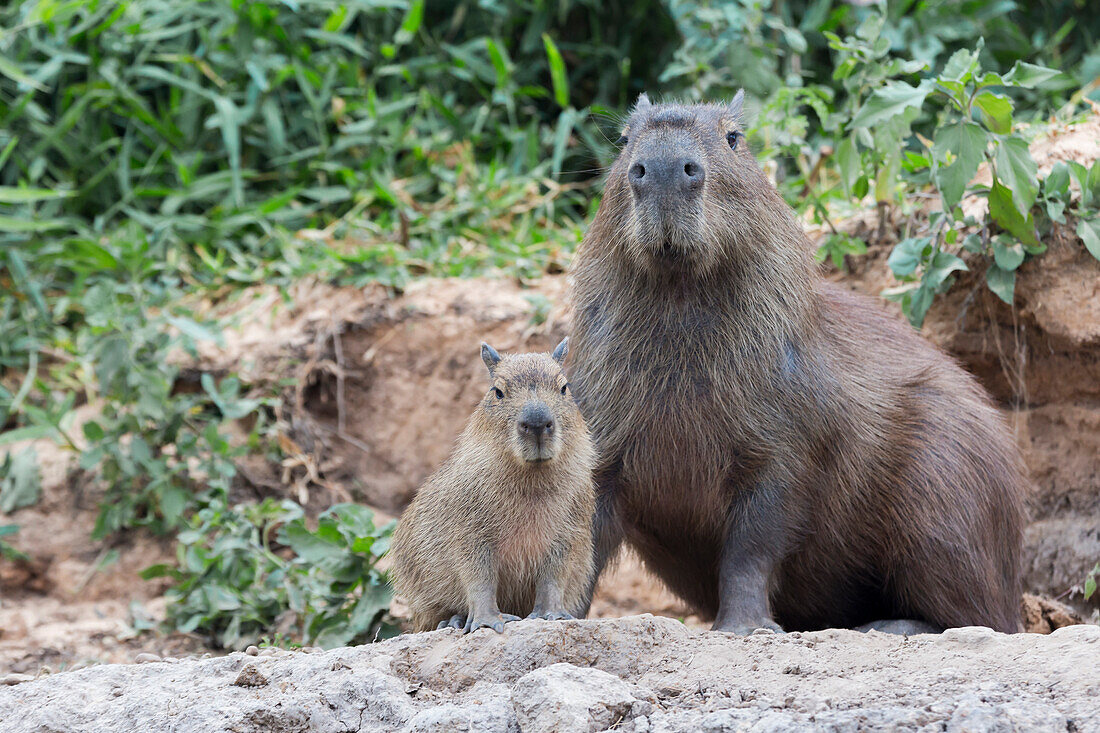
<point x="502" y="529"/>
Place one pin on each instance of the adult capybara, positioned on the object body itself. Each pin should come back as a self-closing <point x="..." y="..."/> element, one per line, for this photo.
<point x="504" y="523"/>
<point x="778" y="450"/>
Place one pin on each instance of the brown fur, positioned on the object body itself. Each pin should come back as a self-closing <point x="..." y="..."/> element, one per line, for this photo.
<point x="765" y="433"/>
<point x="490" y="519"/>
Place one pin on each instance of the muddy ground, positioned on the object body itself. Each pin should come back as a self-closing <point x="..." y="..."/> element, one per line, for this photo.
<point x="384" y="384"/>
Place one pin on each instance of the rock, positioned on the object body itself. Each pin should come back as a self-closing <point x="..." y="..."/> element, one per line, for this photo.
<point x="146" y="658"/>
<point x="564" y="697"/>
<point x="975" y="716"/>
<point x="250" y="676"/>
<point x="252" y="651"/>
<point x="492" y="717"/>
<point x="640" y="674"/>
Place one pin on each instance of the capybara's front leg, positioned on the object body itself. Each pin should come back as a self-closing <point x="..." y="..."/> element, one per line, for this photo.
<point x="754" y="542"/>
<point x="480" y="580"/>
<point x="550" y="588"/>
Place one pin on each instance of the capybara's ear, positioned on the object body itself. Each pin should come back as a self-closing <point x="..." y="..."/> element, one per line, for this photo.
<point x="642" y="103"/>
<point x="737" y="104"/>
<point x="490" y="356"/>
<point x="561" y="350"/>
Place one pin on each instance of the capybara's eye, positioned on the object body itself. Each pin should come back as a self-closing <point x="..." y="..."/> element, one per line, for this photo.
<point x="621" y="141"/>
<point x="732" y="138"/>
<point x="499" y="393"/>
<point x="563" y="388"/>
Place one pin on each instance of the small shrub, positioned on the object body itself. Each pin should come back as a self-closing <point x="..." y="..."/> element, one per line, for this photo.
<point x="241" y="568"/>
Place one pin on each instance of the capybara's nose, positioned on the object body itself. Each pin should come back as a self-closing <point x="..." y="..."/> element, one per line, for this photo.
<point x="535" y="420"/>
<point x="666" y="175"/>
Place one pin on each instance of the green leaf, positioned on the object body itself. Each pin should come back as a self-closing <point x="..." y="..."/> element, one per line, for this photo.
<point x="1002" y="282"/>
<point x="20" y="225"/>
<point x="30" y="432"/>
<point x="1007" y="253"/>
<point x="335" y="20"/>
<point x="503" y="65"/>
<point x="1028" y="75"/>
<point x="907" y="254"/>
<point x="848" y="164"/>
<point x="13" y="195"/>
<point x="1093" y="180"/>
<point x="20" y="484"/>
<point x="310" y="547"/>
<point x="888" y="102"/>
<point x="941" y="266"/>
<point x="173" y="500"/>
<point x="376" y="598"/>
<point x="1017" y="171"/>
<point x="1089" y="232"/>
<point x="195" y="330"/>
<point x="967" y="142"/>
<point x="996" y="112"/>
<point x="1057" y="182"/>
<point x="1003" y="210"/>
<point x="13" y="72"/>
<point x="961" y="66"/>
<point x="414" y="17"/>
<point x="558" y="77"/>
<point x="93" y="431"/>
<point x="221" y="598"/>
<point x="157" y="571"/>
<point x="1080" y="173"/>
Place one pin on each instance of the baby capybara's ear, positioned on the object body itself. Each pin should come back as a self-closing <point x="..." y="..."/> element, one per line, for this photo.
<point x="737" y="104"/>
<point x="490" y="356"/>
<point x="561" y="350"/>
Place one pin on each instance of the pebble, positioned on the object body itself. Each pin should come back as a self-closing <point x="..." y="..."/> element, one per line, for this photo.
<point x="146" y="657"/>
<point x="252" y="651"/>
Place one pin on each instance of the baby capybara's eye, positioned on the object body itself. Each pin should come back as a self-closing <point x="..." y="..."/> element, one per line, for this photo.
<point x="732" y="138"/>
<point x="563" y="388"/>
<point x="499" y="393"/>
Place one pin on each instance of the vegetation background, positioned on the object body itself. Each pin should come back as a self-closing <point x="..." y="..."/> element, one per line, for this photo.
<point x="156" y="153"/>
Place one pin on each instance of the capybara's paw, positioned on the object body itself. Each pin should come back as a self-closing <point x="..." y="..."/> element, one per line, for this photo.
<point x="744" y="628"/>
<point x="493" y="621"/>
<point x="458" y="621"/>
<point x="552" y="615"/>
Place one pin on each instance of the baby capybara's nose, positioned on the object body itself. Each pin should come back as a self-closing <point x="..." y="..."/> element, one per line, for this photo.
<point x="666" y="175"/>
<point x="535" y="420"/>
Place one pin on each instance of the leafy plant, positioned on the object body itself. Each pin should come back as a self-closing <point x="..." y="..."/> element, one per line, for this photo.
<point x="1056" y="199"/>
<point x="1090" y="581"/>
<point x="975" y="128"/>
<point x="240" y="568"/>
